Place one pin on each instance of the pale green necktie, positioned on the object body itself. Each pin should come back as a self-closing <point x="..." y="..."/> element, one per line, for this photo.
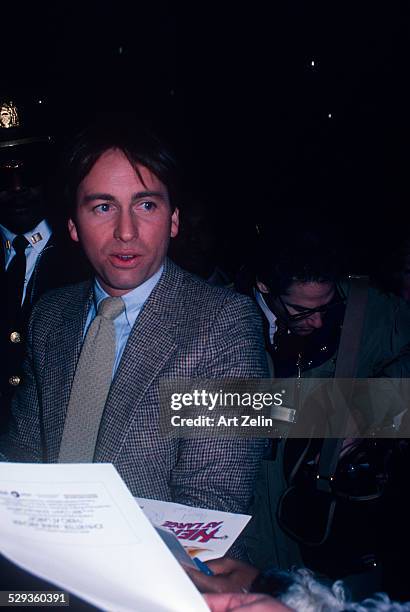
<point x="91" y="385"/>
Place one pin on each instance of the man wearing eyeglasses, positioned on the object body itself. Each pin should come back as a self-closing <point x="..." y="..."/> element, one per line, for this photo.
<point x="303" y="323"/>
<point x="304" y="297"/>
<point x="303" y="302"/>
<point x="316" y="298"/>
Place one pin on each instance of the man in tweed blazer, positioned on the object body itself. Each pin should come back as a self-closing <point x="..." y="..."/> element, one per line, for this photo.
<point x="123" y="218"/>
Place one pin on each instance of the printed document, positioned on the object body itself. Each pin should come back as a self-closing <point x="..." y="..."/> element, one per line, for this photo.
<point x="78" y="526"/>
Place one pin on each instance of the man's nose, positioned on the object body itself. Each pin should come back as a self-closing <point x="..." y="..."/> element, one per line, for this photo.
<point x="126" y="228"/>
<point x="315" y="320"/>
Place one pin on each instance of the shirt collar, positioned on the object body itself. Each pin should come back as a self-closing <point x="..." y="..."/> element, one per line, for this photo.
<point x="133" y="300"/>
<point x="37" y="237"/>
<point x="267" y="312"/>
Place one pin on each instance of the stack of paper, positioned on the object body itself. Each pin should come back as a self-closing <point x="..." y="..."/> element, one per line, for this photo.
<point x="79" y="527"/>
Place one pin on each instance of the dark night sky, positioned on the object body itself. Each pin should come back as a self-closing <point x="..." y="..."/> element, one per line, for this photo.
<point x="236" y="90"/>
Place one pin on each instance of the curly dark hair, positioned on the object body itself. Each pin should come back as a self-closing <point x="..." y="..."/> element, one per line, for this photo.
<point x="305" y="255"/>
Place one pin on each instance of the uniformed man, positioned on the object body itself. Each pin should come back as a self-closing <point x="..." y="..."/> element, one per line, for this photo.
<point x="32" y="258"/>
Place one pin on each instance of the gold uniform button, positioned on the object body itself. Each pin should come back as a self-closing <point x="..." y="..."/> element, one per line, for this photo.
<point x="14" y="380"/>
<point x="15" y="337"/>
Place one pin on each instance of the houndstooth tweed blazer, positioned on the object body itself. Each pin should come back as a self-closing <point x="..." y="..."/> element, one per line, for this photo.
<point x="186" y="329"/>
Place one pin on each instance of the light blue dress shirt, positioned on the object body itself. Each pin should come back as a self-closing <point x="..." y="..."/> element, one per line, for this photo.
<point x="37" y="237"/>
<point x="267" y="312"/>
<point x="134" y="301"/>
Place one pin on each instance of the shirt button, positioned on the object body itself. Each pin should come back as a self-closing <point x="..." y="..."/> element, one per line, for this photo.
<point x="14" y="380"/>
<point x="15" y="337"/>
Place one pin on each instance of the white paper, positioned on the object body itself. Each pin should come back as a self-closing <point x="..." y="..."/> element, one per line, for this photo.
<point x="77" y="526"/>
<point x="206" y="534"/>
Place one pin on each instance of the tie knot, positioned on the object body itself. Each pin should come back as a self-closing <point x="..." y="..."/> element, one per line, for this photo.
<point x="111" y="308"/>
<point x="20" y="243"/>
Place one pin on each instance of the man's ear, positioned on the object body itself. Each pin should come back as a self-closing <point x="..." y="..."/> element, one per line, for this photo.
<point x="174" y="223"/>
<point x="262" y="287"/>
<point x="73" y="231"/>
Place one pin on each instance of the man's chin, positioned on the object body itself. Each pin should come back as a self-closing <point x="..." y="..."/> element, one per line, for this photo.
<point x="122" y="283"/>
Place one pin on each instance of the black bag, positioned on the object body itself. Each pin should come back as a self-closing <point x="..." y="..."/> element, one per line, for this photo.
<point x="338" y="529"/>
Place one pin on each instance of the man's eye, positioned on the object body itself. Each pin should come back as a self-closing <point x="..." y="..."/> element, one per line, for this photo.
<point x="148" y="205"/>
<point x="102" y="208"/>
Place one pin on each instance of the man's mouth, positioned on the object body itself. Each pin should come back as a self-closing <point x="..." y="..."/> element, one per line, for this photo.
<point x="124" y="259"/>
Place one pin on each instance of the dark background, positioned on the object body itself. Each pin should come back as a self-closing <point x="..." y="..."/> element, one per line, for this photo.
<point x="264" y="135"/>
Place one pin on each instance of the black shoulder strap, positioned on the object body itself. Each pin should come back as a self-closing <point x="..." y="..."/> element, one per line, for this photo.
<point x="346" y="368"/>
<point x="350" y="339"/>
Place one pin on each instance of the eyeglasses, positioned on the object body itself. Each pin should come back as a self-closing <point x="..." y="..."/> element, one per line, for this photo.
<point x="308" y="312"/>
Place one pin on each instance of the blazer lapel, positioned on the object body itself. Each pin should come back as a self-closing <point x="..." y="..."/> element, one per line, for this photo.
<point x="152" y="341"/>
<point x="63" y="349"/>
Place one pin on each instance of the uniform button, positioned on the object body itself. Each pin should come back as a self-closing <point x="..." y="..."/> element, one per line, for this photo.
<point x="14" y="380"/>
<point x="15" y="337"/>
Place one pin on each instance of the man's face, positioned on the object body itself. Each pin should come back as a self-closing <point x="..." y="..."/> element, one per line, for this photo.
<point x="23" y="172"/>
<point x="301" y="296"/>
<point x="123" y="224"/>
<point x="22" y="206"/>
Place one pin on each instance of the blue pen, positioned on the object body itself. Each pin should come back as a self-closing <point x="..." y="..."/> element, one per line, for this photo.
<point x="202" y="567"/>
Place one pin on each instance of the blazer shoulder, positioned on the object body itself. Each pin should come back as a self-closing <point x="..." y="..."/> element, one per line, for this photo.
<point x="202" y="298"/>
<point x="70" y="296"/>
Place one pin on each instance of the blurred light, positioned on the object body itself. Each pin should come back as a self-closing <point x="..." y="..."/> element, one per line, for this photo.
<point x="329" y="115"/>
<point x="313" y="63"/>
<point x="40" y="101"/>
<point x="120" y="50"/>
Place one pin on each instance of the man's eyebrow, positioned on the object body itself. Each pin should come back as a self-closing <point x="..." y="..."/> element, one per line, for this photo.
<point x="148" y="194"/>
<point x="299" y="307"/>
<point x="92" y="197"/>
<point x="98" y="196"/>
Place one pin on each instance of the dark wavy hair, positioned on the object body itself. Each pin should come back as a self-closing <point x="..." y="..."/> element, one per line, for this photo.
<point x="134" y="138"/>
